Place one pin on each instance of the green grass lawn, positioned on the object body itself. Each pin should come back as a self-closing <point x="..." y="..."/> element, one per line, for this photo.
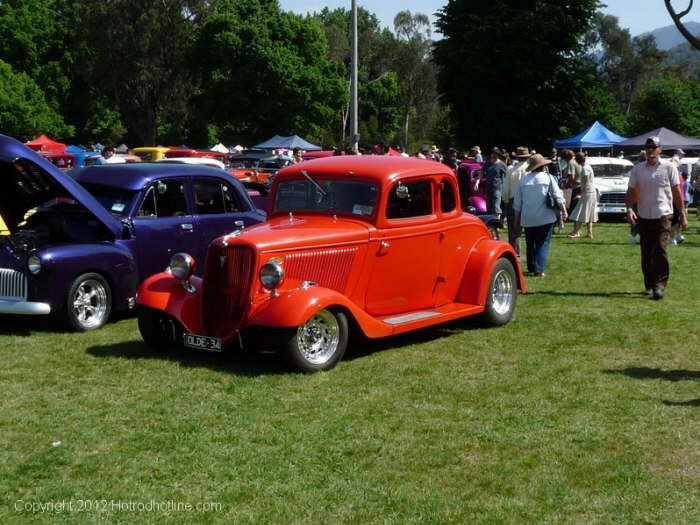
<point x="583" y="409"/>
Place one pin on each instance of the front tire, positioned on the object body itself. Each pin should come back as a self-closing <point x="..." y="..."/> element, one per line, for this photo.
<point x="502" y="292"/>
<point x="160" y="331"/>
<point x="89" y="302"/>
<point x="319" y="343"/>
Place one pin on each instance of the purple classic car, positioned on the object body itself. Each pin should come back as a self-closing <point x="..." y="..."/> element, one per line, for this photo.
<point x="78" y="250"/>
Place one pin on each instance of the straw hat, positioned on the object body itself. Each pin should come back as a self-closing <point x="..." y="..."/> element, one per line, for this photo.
<point x="522" y="152"/>
<point x="536" y="162"/>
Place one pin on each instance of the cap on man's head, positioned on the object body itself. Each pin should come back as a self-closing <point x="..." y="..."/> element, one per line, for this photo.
<point x="653" y="141"/>
<point x="679" y="151"/>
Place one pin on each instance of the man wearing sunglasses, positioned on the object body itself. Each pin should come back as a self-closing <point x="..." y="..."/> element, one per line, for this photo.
<point x="654" y="187"/>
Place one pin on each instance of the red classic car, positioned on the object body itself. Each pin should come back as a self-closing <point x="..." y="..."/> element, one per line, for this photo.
<point x="379" y="243"/>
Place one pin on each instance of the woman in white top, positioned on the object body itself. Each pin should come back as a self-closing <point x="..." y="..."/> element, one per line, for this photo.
<point x="587" y="207"/>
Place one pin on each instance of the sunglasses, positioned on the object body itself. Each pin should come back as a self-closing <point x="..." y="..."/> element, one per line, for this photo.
<point x="650" y="147"/>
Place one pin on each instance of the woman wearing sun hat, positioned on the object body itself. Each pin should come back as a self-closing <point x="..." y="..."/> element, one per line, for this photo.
<point x="532" y="212"/>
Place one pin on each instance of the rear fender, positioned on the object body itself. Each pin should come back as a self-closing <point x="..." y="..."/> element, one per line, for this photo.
<point x="477" y="274"/>
<point x="293" y="308"/>
<point x="163" y="292"/>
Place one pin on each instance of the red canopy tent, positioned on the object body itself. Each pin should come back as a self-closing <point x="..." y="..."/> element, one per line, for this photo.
<point x="47" y="145"/>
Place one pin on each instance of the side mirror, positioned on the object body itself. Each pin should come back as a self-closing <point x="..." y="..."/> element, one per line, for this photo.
<point x="470" y="209"/>
<point x="162" y="188"/>
<point x="402" y="192"/>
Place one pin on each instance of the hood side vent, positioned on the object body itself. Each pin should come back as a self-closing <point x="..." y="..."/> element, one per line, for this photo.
<point x="329" y="268"/>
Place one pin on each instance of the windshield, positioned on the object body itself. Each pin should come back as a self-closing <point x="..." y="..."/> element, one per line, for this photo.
<point x="611" y="170"/>
<point x="117" y="201"/>
<point x="331" y="195"/>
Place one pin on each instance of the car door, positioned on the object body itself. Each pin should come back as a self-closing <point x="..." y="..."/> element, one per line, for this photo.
<point x="219" y="210"/>
<point x="163" y="225"/>
<point x="407" y="254"/>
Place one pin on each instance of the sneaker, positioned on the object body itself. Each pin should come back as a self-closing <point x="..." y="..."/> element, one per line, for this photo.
<point x="648" y="292"/>
<point x="657" y="294"/>
<point x="633" y="240"/>
<point x="672" y="242"/>
<point x="680" y="238"/>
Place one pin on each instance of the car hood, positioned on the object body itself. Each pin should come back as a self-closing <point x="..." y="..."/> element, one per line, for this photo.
<point x="307" y="231"/>
<point x="27" y="180"/>
<point x="611" y="183"/>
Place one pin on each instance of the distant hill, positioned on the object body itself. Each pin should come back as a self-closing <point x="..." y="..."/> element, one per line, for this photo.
<point x="669" y="37"/>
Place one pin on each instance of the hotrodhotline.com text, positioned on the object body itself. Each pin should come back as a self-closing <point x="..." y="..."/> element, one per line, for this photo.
<point x="105" y="505"/>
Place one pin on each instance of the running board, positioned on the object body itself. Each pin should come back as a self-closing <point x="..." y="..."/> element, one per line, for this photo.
<point x="415" y="316"/>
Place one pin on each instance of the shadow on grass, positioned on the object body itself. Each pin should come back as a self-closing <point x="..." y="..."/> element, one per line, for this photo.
<point x="689" y="403"/>
<point x="656" y="373"/>
<point x="26" y="325"/>
<point x="590" y="294"/>
<point x="252" y="362"/>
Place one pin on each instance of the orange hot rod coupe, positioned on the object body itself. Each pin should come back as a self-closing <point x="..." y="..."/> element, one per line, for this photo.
<point x="378" y="243"/>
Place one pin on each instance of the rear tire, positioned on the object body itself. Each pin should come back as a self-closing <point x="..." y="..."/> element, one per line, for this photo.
<point x="319" y="343"/>
<point x="159" y="330"/>
<point x="502" y="292"/>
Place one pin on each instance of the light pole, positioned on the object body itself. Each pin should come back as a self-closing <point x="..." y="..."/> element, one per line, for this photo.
<point x="354" y="135"/>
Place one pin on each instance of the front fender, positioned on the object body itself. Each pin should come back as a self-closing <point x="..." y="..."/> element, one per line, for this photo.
<point x="477" y="274"/>
<point x="293" y="308"/>
<point x="163" y="292"/>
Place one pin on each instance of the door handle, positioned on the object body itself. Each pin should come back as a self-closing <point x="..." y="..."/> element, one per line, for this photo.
<point x="239" y="224"/>
<point x="384" y="247"/>
<point x="186" y="226"/>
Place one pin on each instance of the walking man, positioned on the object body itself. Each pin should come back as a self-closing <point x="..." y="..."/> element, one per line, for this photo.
<point x="515" y="172"/>
<point x="654" y="187"/>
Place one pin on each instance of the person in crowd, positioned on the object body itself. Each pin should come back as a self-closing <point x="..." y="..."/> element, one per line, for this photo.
<point x="451" y="159"/>
<point x="109" y="157"/>
<point x="654" y="186"/>
<point x="421" y="155"/>
<point x="634" y="228"/>
<point x="586" y="209"/>
<point x="513" y="176"/>
<point x="572" y="176"/>
<point x="478" y="157"/>
<point x="532" y="212"/>
<point x="495" y="175"/>
<point x="296" y="155"/>
<point x="695" y="182"/>
<point x="555" y="171"/>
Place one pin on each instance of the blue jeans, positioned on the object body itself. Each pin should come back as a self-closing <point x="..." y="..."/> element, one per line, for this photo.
<point x="537" y="241"/>
<point x="493" y="200"/>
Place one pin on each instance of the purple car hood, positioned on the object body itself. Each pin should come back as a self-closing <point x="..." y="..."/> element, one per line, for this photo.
<point x="27" y="180"/>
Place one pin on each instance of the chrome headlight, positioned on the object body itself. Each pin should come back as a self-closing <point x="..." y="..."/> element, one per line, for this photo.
<point x="34" y="264"/>
<point x="182" y="266"/>
<point x="271" y="275"/>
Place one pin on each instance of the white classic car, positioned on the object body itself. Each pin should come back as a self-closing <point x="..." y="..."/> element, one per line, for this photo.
<point x="611" y="178"/>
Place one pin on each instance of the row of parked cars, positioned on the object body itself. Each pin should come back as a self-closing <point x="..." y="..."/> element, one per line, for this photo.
<point x="379" y="244"/>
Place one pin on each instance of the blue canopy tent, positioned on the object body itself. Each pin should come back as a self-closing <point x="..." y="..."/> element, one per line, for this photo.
<point x="291" y="142"/>
<point x="596" y="136"/>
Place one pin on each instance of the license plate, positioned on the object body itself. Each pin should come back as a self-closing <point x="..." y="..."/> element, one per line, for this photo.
<point x="202" y="342"/>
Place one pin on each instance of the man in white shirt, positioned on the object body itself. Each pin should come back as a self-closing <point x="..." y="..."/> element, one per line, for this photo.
<point x="510" y="184"/>
<point x="654" y="186"/>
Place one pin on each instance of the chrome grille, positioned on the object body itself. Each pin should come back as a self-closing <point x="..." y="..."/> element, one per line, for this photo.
<point x="329" y="267"/>
<point x="226" y="288"/>
<point x="612" y="198"/>
<point x="13" y="285"/>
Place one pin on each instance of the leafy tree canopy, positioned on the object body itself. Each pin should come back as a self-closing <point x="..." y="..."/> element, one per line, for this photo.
<point x="508" y="67"/>
<point x="24" y="110"/>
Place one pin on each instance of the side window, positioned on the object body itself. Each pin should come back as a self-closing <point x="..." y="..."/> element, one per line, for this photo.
<point x="447" y="196"/>
<point x="164" y="199"/>
<point x="409" y="199"/>
<point x="213" y="197"/>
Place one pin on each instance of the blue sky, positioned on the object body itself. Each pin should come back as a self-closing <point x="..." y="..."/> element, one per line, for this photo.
<point x="638" y="16"/>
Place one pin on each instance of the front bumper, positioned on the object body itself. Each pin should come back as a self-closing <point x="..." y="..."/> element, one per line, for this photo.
<point x="24" y="307"/>
<point x="611" y="208"/>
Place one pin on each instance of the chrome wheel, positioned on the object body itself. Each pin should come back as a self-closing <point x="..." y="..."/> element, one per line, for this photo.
<point x="318" y="338"/>
<point x="502" y="296"/>
<point x="90" y="304"/>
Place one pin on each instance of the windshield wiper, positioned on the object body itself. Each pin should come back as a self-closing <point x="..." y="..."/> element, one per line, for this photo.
<point x="318" y="186"/>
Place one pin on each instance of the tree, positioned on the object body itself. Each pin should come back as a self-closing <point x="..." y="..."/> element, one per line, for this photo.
<point x="379" y="116"/>
<point x="622" y="62"/>
<point x="24" y="111"/>
<point x="133" y="56"/>
<point x="263" y="71"/>
<point x="412" y="61"/>
<point x="677" y="19"/>
<point x="507" y="67"/>
<point x="668" y="101"/>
